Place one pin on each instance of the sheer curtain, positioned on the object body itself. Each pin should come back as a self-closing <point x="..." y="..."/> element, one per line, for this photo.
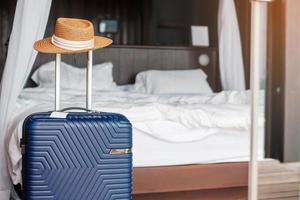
<point x="230" y="50"/>
<point x="30" y="21"/>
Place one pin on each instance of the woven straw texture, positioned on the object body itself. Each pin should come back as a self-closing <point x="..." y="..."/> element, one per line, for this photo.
<point x="75" y="30"/>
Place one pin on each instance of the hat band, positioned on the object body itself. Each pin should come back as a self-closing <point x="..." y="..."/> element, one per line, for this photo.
<point x="72" y="45"/>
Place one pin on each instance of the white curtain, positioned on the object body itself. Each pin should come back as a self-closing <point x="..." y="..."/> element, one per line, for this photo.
<point x="230" y="50"/>
<point x="30" y="21"/>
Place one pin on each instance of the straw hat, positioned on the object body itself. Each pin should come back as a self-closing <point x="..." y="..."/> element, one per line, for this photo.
<point x="72" y="36"/>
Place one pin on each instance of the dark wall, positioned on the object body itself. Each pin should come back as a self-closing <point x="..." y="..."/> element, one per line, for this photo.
<point x="277" y="105"/>
<point x="141" y="22"/>
<point x="172" y="19"/>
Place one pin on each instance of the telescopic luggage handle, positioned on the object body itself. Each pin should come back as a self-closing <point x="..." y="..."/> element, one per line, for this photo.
<point x="88" y="81"/>
<point x="75" y="108"/>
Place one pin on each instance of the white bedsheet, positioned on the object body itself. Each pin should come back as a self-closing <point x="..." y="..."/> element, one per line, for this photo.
<point x="167" y="129"/>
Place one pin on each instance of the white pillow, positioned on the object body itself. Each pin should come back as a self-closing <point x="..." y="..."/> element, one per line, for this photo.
<point x="75" y="78"/>
<point x="172" y="82"/>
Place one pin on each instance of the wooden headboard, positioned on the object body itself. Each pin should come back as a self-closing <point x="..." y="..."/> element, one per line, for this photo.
<point x="129" y="60"/>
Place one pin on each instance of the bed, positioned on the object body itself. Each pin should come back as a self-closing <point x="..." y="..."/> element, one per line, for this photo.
<point x="169" y="161"/>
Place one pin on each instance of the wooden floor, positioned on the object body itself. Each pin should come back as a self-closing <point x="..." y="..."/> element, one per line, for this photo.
<point x="278" y="181"/>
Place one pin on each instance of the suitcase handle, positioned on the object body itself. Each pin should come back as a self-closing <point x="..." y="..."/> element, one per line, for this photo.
<point x="75" y="108"/>
<point x="88" y="81"/>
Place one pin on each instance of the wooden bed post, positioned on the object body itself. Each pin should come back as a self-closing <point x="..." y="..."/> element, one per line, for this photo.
<point x="258" y="59"/>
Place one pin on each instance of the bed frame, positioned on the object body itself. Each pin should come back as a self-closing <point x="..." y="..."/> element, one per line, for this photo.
<point x="186" y="182"/>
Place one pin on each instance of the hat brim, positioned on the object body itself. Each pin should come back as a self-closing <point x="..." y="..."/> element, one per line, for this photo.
<point x="45" y="46"/>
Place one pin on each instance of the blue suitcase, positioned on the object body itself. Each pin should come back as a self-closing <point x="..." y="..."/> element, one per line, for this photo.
<point x="76" y="155"/>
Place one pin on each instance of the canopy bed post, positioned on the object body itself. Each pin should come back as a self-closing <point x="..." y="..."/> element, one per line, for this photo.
<point x="258" y="60"/>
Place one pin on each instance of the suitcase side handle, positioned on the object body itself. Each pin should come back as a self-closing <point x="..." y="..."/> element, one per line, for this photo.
<point x="88" y="81"/>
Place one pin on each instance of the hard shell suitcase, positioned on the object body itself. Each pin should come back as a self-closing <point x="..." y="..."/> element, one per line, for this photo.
<point x="76" y="155"/>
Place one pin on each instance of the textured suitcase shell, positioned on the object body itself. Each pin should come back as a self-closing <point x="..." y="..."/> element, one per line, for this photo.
<point x="70" y="158"/>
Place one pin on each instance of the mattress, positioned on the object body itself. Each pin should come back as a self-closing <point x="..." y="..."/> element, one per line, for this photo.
<point x="167" y="129"/>
<point x="223" y="146"/>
